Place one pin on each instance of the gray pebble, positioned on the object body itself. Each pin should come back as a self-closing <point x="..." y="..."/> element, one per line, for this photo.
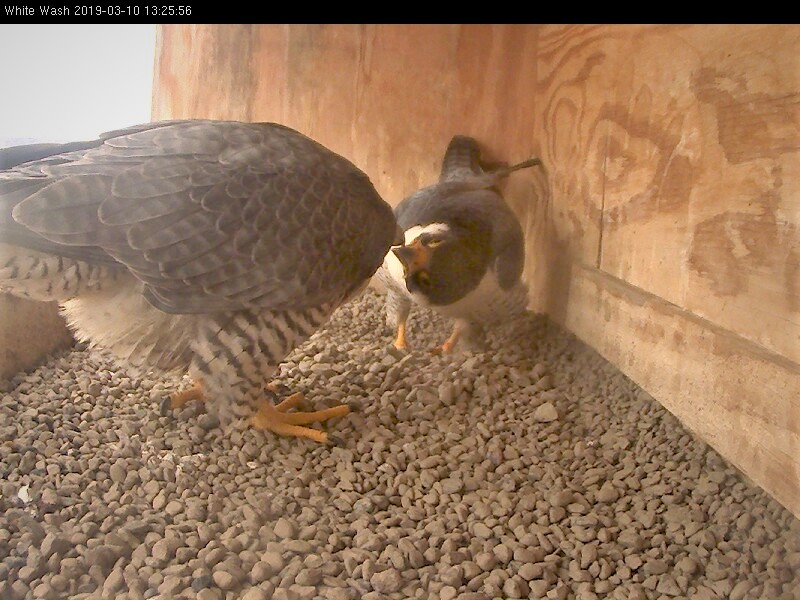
<point x="120" y="502"/>
<point x="54" y="544"/>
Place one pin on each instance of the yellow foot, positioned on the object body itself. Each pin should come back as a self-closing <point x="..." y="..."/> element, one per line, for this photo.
<point x="447" y="347"/>
<point x="400" y="338"/>
<point x="451" y="342"/>
<point x="179" y="399"/>
<point x="277" y="420"/>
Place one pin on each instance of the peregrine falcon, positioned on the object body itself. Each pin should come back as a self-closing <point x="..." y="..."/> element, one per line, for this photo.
<point x="211" y="248"/>
<point x="463" y="249"/>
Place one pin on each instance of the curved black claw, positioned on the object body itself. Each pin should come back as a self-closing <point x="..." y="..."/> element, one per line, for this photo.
<point x="335" y="440"/>
<point x="165" y="407"/>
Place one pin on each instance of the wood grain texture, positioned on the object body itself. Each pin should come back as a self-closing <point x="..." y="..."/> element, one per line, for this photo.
<point x="738" y="397"/>
<point x="680" y="172"/>
<point x="388" y="97"/>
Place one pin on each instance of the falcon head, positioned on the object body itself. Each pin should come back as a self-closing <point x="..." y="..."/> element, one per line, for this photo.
<point x="442" y="262"/>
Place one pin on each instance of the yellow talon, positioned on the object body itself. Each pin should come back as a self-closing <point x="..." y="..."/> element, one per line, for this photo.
<point x="181" y="398"/>
<point x="400" y="339"/>
<point x="276" y="419"/>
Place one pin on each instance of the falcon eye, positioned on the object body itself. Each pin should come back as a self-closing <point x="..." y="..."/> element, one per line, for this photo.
<point x="433" y="243"/>
<point x="423" y="278"/>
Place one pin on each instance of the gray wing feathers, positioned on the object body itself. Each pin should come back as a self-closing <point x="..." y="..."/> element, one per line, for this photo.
<point x="509" y="244"/>
<point x="461" y="159"/>
<point x="214" y="215"/>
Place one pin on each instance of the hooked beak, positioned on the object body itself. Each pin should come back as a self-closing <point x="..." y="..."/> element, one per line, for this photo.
<point x="414" y="257"/>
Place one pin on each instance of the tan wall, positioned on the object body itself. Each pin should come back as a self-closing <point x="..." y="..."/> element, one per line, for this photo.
<point x="29" y="331"/>
<point x="664" y="231"/>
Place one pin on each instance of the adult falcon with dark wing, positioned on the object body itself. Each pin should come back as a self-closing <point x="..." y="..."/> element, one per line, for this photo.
<point x="463" y="250"/>
<point x="207" y="247"/>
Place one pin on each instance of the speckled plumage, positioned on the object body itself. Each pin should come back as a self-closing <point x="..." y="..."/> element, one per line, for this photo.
<point x="208" y="247"/>
<point x="477" y="255"/>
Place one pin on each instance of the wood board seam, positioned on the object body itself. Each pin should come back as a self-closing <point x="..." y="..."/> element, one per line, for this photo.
<point x="641" y="296"/>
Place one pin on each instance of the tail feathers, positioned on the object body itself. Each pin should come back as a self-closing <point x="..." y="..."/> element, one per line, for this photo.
<point x="461" y="159"/>
<point x="506" y="171"/>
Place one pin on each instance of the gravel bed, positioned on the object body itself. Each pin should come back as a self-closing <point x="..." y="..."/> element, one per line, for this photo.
<point x="525" y="467"/>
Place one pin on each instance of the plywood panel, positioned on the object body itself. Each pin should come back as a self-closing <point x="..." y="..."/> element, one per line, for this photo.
<point x="738" y="397"/>
<point x="29" y="331"/>
<point x="686" y="139"/>
<point x="714" y="225"/>
<point x="388" y="97"/>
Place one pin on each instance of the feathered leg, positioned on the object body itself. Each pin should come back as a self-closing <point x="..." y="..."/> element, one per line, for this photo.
<point x="398" y="307"/>
<point x="234" y="357"/>
<point x="460" y="328"/>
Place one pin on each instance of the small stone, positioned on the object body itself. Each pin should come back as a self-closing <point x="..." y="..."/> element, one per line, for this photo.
<point x="255" y="593"/>
<point x="170" y="586"/>
<point x="224" y="580"/>
<point x="562" y="498"/>
<point x="486" y="561"/>
<point x="482" y="531"/>
<point x="545" y="413"/>
<point x="49" y="497"/>
<point x="607" y="493"/>
<point x="503" y="553"/>
<point x="338" y="593"/>
<point x="275" y="560"/>
<point x="54" y="544"/>
<point x="740" y="590"/>
<point x="686" y="565"/>
<point x="164" y="549"/>
<point x="655" y="567"/>
<point x="309" y="577"/>
<point x="630" y="539"/>
<point x="160" y="501"/>
<point x="530" y="571"/>
<point x="387" y="582"/>
<point x="117" y="472"/>
<point x="452" y="485"/>
<point x="538" y="588"/>
<point x="515" y="588"/>
<point x="745" y="522"/>
<point x="667" y="585"/>
<point x="201" y="582"/>
<point x="453" y="576"/>
<point x="285" y="529"/>
<point x="113" y="584"/>
<point x="173" y="508"/>
<point x="588" y="555"/>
